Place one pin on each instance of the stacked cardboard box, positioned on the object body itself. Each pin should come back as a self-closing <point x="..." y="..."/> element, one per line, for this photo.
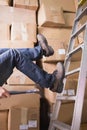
<point x="19" y="113"/>
<point x="27" y="4"/>
<point x="67" y="5"/>
<point x="57" y="15"/>
<point x="4" y="32"/>
<point x="18" y="30"/>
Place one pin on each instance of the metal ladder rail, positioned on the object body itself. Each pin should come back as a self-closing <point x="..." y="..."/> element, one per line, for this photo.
<point x="80" y="88"/>
<point x="59" y="103"/>
<point x="79" y="15"/>
<point x="76" y="123"/>
<point x="71" y="51"/>
<point x="61" y="125"/>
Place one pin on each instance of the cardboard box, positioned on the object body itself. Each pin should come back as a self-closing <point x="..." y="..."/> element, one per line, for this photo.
<point x="17" y="15"/>
<point x="18" y="110"/>
<point x="4" y="31"/>
<point x="20" y="117"/>
<point x="58" y="40"/>
<point x="69" y="19"/>
<point x="23" y="100"/>
<point x="66" y="112"/>
<point x="16" y="44"/>
<point x="52" y="17"/>
<point x="33" y="119"/>
<point x="14" y="119"/>
<point x="19" y="78"/>
<point x="67" y="5"/>
<point x="28" y="4"/>
<point x="20" y="87"/>
<point x="4" y="2"/>
<point x="23" y="31"/>
<point x="4" y="119"/>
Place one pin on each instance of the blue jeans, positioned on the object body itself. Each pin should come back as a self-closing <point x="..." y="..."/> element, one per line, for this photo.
<point x="23" y="59"/>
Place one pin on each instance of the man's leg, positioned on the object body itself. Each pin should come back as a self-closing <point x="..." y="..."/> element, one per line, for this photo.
<point x="6" y="66"/>
<point x="52" y="81"/>
<point x="31" y="53"/>
<point x="37" y="52"/>
<point x="14" y="58"/>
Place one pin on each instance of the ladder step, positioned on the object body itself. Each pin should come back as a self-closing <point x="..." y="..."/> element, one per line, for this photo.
<point x="74" y="51"/>
<point x="79" y="31"/>
<point x="84" y="12"/>
<point x="72" y="71"/>
<point x="61" y="126"/>
<point x="66" y="97"/>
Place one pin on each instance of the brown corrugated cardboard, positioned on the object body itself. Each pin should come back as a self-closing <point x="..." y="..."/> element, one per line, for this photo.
<point x="3" y="120"/>
<point x="69" y="19"/>
<point x="20" y="87"/>
<point x="58" y="38"/>
<point x="16" y="44"/>
<point x="28" y="4"/>
<point x="20" y="117"/>
<point x="19" y="78"/>
<point x="67" y="5"/>
<point x="4" y="2"/>
<point x="4" y="31"/>
<point x="66" y="112"/>
<point x="50" y="17"/>
<point x="33" y="119"/>
<point x="14" y="119"/>
<point x="24" y="100"/>
<point x="11" y="14"/>
<point x="23" y="31"/>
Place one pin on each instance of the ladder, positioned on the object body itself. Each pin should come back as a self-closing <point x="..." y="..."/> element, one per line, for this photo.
<point x="81" y="85"/>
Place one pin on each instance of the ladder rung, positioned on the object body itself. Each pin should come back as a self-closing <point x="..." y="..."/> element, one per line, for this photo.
<point x="61" y="125"/>
<point x="72" y="71"/>
<point x="66" y="97"/>
<point x="84" y="12"/>
<point x="79" y="31"/>
<point x="74" y="50"/>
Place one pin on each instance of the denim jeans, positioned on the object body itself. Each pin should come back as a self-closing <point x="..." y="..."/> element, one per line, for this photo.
<point x="23" y="59"/>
